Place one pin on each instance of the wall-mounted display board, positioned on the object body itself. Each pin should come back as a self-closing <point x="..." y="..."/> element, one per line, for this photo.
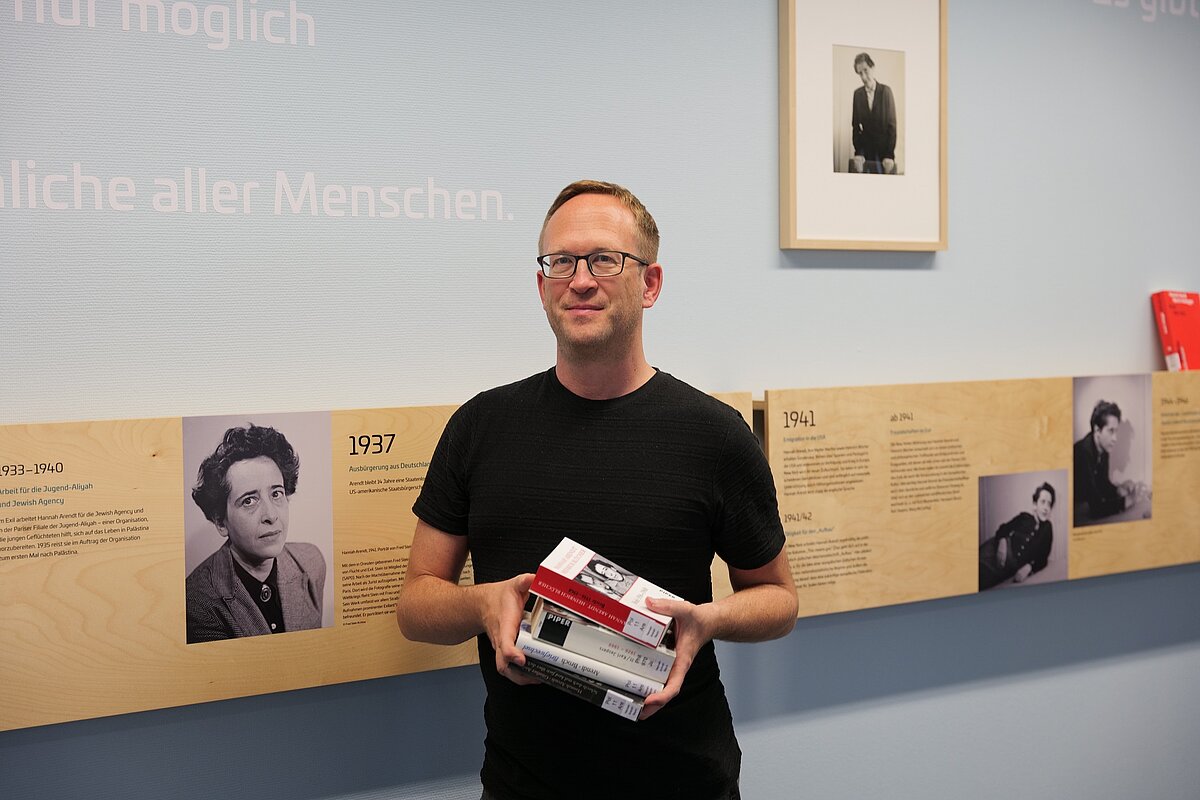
<point x="99" y="532"/>
<point x="900" y="493"/>
<point x="128" y="548"/>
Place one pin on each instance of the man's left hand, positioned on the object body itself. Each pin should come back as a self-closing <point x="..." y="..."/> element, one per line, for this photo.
<point x="692" y="631"/>
<point x="762" y="606"/>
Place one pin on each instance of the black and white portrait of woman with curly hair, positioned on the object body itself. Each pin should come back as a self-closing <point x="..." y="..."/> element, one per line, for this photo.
<point x="260" y="579"/>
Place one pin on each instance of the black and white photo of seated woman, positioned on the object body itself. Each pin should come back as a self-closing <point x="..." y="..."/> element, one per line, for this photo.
<point x="1022" y="546"/>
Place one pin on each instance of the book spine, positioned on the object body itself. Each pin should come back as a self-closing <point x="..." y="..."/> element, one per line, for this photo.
<point x="596" y="693"/>
<point x="1187" y="330"/>
<point x="586" y="639"/>
<point x="614" y="676"/>
<point x="1160" y="321"/>
<point x="1162" y="304"/>
<point x="598" y="607"/>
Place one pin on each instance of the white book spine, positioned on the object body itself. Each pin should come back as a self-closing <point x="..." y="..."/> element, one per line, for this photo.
<point x="594" y="641"/>
<point x="620" y="703"/>
<point x="589" y="667"/>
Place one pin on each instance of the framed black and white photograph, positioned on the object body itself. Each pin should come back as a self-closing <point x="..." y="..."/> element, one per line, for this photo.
<point x="863" y="125"/>
<point x="258" y="524"/>
<point x="1022" y="529"/>
<point x="1113" y="450"/>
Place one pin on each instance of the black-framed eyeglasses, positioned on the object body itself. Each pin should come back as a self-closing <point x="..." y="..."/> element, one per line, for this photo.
<point x="602" y="264"/>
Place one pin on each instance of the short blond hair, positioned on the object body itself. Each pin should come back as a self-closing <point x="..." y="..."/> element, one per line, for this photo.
<point x="647" y="228"/>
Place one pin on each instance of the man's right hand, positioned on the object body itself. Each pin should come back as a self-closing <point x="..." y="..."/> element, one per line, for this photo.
<point x="434" y="608"/>
<point x="500" y="610"/>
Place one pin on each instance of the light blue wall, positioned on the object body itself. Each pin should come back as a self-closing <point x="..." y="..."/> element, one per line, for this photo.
<point x="1072" y="197"/>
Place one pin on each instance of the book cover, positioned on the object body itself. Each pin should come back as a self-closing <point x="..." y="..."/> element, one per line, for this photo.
<point x="610" y="674"/>
<point x="596" y="588"/>
<point x="555" y="625"/>
<point x="1177" y="318"/>
<point x="594" y="692"/>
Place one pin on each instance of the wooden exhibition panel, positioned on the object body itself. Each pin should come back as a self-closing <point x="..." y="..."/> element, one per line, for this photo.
<point x="880" y="487"/>
<point x="885" y="494"/>
<point x="92" y="568"/>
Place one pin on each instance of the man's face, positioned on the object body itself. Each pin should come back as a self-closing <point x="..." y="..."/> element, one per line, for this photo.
<point x="1042" y="506"/>
<point x="256" y="513"/>
<point x="1106" y="437"/>
<point x="864" y="71"/>
<point x="590" y="315"/>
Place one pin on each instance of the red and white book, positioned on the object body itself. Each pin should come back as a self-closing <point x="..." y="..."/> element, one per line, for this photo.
<point x="554" y="625"/>
<point x="596" y="588"/>
<point x="1177" y="318"/>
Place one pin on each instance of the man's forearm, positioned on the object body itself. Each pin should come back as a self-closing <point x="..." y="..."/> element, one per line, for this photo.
<point x="435" y="610"/>
<point x="755" y="614"/>
<point x="762" y="606"/>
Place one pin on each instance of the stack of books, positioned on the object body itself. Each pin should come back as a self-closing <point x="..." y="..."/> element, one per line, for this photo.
<point x="590" y="634"/>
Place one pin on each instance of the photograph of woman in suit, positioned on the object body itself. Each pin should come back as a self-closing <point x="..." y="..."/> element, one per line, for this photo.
<point x="256" y="582"/>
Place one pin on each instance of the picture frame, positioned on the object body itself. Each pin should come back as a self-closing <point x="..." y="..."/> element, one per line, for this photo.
<point x="862" y="125"/>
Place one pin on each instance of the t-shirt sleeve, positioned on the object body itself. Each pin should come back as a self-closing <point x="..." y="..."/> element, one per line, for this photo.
<point x="749" y="532"/>
<point x="444" y="502"/>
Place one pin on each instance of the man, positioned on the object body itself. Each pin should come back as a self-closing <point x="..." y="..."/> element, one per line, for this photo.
<point x="1095" y="495"/>
<point x="633" y="464"/>
<point x="873" y="123"/>
<point x="257" y="582"/>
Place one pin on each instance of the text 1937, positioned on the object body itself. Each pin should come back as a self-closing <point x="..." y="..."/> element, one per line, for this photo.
<point x="371" y="444"/>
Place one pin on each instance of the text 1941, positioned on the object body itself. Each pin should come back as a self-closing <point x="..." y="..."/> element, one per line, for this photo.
<point x="797" y="419"/>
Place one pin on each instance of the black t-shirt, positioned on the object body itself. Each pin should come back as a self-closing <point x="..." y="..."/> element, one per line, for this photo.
<point x="657" y="480"/>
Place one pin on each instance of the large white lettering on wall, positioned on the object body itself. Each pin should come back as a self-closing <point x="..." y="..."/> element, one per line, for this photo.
<point x="29" y="186"/>
<point x="1154" y="10"/>
<point x="217" y="24"/>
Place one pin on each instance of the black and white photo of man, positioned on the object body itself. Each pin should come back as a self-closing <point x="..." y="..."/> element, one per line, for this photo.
<point x="1111" y="455"/>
